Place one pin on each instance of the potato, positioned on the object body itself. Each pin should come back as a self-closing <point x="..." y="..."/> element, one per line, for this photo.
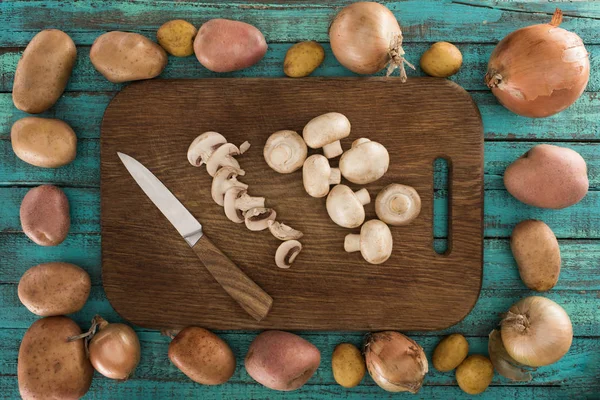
<point x="43" y="142"/>
<point x="548" y="176"/>
<point x="43" y="71"/>
<point x="441" y="60"/>
<point x="348" y="365"/>
<point x="177" y="37"/>
<point x="536" y="251"/>
<point x="281" y="360"/>
<point x="475" y="374"/>
<point x="303" y="58"/>
<point x="54" y="288"/>
<point x="203" y="356"/>
<point x="49" y="366"/>
<point x="223" y="45"/>
<point x="44" y="215"/>
<point x="124" y="56"/>
<point x="450" y="352"/>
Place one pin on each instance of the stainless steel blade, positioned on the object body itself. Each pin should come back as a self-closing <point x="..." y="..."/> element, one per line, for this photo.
<point x="167" y="203"/>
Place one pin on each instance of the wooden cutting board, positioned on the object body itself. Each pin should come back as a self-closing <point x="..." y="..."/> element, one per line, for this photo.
<point x="153" y="279"/>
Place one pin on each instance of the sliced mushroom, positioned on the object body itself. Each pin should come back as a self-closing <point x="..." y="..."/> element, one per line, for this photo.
<point x="345" y="207"/>
<point x="282" y="231"/>
<point x="317" y="175"/>
<point x="237" y="200"/>
<point x="203" y="146"/>
<point x="224" y="179"/>
<point x="223" y="157"/>
<point x="374" y="242"/>
<point x="244" y="147"/>
<point x="398" y="204"/>
<point x="326" y="131"/>
<point x="287" y="253"/>
<point x="257" y="219"/>
<point x="365" y="162"/>
<point x="285" y="151"/>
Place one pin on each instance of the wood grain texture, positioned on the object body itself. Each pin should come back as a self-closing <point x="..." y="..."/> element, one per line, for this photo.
<point x="314" y="293"/>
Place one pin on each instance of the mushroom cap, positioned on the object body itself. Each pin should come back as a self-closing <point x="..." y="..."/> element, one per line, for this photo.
<point x="283" y="232"/>
<point x="287" y="253"/>
<point x="223" y="157"/>
<point x="365" y="162"/>
<point x="203" y="146"/>
<point x="231" y="211"/>
<point x="325" y="129"/>
<point x="344" y="207"/>
<point x="375" y="241"/>
<point x="257" y="219"/>
<point x="317" y="175"/>
<point x="398" y="204"/>
<point x="225" y="178"/>
<point x="285" y="151"/>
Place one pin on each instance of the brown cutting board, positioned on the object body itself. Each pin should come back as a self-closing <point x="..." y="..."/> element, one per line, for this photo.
<point x="153" y="279"/>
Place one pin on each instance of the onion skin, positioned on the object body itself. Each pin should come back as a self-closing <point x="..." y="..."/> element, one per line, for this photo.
<point x="503" y="363"/>
<point x="395" y="362"/>
<point x="115" y="350"/>
<point x="539" y="70"/>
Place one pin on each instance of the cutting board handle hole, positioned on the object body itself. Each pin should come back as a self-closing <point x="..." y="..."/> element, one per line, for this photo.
<point x="441" y="206"/>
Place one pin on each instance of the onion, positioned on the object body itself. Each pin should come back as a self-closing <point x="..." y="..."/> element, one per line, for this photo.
<point x="365" y="37"/>
<point x="539" y="70"/>
<point x="536" y="331"/>
<point x="395" y="362"/>
<point x="503" y="363"/>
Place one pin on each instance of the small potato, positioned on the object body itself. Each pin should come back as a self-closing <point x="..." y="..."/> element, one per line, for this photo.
<point x="303" y="58"/>
<point x="54" y="288"/>
<point x="450" y="352"/>
<point x="281" y="360"/>
<point x="203" y="356"/>
<point x="441" y="60"/>
<point x="43" y="71"/>
<point x="125" y="56"/>
<point x="348" y="365"/>
<point x="177" y="37"/>
<point x="44" y="215"/>
<point x="475" y="374"/>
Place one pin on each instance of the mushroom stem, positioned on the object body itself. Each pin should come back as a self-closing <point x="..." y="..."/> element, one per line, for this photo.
<point x="335" y="176"/>
<point x="333" y="149"/>
<point x="352" y="242"/>
<point x="246" y="202"/>
<point x="363" y="196"/>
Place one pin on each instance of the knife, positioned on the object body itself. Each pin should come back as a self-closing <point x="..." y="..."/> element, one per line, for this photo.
<point x="236" y="283"/>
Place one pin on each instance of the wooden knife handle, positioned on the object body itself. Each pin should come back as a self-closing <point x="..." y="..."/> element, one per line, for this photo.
<point x="244" y="290"/>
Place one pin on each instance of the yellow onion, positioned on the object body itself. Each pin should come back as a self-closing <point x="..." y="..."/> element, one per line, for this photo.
<point x="395" y="362"/>
<point x="539" y="70"/>
<point x="536" y="331"/>
<point x="365" y="37"/>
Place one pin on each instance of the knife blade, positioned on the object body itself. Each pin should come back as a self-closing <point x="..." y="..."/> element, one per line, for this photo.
<point x="236" y="283"/>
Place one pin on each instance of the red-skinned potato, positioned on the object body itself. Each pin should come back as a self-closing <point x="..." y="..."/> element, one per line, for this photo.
<point x="281" y="360"/>
<point x="223" y="45"/>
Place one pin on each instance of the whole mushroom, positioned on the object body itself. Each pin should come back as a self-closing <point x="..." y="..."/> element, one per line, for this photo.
<point x="287" y="253"/>
<point x="398" y="204"/>
<point x="203" y="146"/>
<point x="223" y="157"/>
<point x="345" y="207"/>
<point x="317" y="175"/>
<point x="374" y="242"/>
<point x="223" y="180"/>
<point x="325" y="131"/>
<point x="283" y="232"/>
<point x="285" y="151"/>
<point x="365" y="162"/>
<point x="237" y="201"/>
<point x="257" y="219"/>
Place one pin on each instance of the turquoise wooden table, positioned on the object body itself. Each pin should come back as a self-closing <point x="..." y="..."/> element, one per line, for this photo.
<point x="474" y="26"/>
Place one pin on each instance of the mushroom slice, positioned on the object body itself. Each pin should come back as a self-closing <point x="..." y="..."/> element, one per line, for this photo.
<point x="345" y="207"/>
<point x="365" y="162"/>
<point x="374" y="242"/>
<point x="287" y="253"/>
<point x="203" y="146"/>
<point x="237" y="200"/>
<point x="317" y="175"/>
<point x="398" y="204"/>
<point x="223" y="157"/>
<point x="244" y="147"/>
<point x="326" y="131"/>
<point x="285" y="151"/>
<point x="257" y="218"/>
<point x="283" y="232"/>
<point x="224" y="179"/>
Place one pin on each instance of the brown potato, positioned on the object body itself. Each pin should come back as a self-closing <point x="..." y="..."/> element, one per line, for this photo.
<point x="125" y="56"/>
<point x="54" y="288"/>
<point x="43" y="142"/>
<point x="475" y="374"/>
<point x="281" y="360"/>
<point x="303" y="58"/>
<point x="177" y="37"/>
<point x="43" y="71"/>
<point x="548" y="176"/>
<point x="536" y="251"/>
<point x="441" y="60"/>
<point x="450" y="352"/>
<point x="223" y="45"/>
<point x="45" y="215"/>
<point x="203" y="356"/>
<point x="49" y="366"/>
<point x="348" y="365"/>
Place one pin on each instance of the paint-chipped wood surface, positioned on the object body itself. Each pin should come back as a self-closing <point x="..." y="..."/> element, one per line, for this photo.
<point x="475" y="26"/>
